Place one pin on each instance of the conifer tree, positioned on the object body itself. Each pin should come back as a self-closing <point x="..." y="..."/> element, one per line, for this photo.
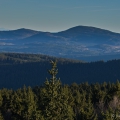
<point x="54" y="103"/>
<point x="30" y="111"/>
<point x="87" y="112"/>
<point x="17" y="106"/>
<point x="24" y="105"/>
<point x="1" y="99"/>
<point x="109" y="114"/>
<point x="1" y="116"/>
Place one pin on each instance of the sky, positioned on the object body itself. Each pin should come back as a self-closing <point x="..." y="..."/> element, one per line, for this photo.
<point x="59" y="15"/>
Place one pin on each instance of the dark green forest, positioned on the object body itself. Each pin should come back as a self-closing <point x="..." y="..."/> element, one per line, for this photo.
<point x="54" y="100"/>
<point x="17" y="70"/>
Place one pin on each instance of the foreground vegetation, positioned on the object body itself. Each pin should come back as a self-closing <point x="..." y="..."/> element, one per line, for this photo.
<point x="54" y="101"/>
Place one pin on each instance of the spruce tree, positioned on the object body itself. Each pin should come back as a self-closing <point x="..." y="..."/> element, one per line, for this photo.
<point x="109" y="114"/>
<point x="87" y="112"/>
<point x="54" y="104"/>
<point x="30" y="111"/>
<point x="1" y="99"/>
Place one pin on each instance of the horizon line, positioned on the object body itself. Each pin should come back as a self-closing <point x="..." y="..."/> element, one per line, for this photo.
<point x="4" y="29"/>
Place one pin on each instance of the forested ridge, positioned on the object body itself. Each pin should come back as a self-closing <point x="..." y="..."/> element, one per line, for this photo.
<point x="17" y="70"/>
<point x="56" y="101"/>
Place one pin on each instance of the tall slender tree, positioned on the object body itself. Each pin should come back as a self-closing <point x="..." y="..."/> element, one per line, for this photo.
<point x="54" y="103"/>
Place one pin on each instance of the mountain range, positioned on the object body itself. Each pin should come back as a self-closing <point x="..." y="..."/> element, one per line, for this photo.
<point x="80" y="42"/>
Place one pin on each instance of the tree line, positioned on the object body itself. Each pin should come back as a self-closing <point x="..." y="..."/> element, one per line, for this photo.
<point x="56" y="101"/>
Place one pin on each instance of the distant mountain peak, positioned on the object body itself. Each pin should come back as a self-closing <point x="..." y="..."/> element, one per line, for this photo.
<point x="17" y="34"/>
<point x="23" y="29"/>
<point x="85" y="29"/>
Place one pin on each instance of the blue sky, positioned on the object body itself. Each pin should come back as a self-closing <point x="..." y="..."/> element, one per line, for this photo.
<point x="58" y="15"/>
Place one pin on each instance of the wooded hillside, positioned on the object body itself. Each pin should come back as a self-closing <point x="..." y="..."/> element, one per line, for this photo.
<point x="56" y="101"/>
<point x="17" y="70"/>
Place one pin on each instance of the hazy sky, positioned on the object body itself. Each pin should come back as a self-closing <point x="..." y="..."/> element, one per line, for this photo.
<point x="58" y="15"/>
